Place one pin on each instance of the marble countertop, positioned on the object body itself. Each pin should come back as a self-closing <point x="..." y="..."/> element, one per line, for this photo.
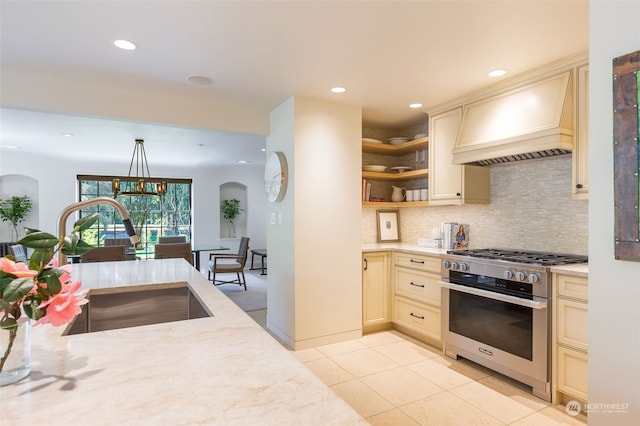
<point x="403" y="247"/>
<point x="224" y="369"/>
<point x="576" y="269"/>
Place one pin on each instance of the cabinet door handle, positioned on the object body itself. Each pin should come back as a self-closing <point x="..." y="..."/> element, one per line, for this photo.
<point x="579" y="186"/>
<point x="458" y="194"/>
<point x="416" y="285"/>
<point x="366" y="265"/>
<point x="417" y="261"/>
<point x="416" y="316"/>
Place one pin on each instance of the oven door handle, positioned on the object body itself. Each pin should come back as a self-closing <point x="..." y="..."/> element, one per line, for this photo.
<point x="496" y="296"/>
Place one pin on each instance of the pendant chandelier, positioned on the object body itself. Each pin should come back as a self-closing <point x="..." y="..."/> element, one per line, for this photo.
<point x="138" y="182"/>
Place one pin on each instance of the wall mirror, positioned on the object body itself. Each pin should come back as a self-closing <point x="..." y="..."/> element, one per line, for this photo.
<point x="626" y="147"/>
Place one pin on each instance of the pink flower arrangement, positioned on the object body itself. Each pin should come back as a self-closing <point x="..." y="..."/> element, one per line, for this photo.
<point x="41" y="290"/>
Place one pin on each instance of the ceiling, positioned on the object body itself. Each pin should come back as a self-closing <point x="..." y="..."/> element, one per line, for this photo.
<point x="386" y="54"/>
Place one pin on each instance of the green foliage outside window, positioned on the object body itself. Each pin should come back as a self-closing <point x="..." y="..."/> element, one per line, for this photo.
<point x="152" y="216"/>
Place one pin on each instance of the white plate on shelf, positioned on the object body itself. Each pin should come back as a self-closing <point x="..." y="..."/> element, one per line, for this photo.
<point x="397" y="141"/>
<point x="371" y="140"/>
<point x="374" y="168"/>
<point x="401" y="169"/>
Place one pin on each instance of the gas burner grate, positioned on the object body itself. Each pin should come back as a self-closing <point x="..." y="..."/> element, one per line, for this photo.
<point x="523" y="256"/>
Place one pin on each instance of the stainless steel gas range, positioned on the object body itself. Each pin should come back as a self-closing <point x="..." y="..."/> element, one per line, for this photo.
<point x="496" y="311"/>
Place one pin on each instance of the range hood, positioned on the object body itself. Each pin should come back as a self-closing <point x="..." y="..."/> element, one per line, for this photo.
<point x="532" y="121"/>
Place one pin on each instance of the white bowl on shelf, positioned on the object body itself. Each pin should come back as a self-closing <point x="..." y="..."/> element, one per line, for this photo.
<point x="400" y="169"/>
<point x="374" y="168"/>
<point x="398" y="141"/>
<point x="420" y="136"/>
<point x="371" y="140"/>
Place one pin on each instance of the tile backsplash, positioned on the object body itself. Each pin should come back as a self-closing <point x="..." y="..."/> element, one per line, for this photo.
<point x="531" y="208"/>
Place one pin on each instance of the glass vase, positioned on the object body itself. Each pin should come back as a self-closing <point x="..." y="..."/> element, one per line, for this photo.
<point x="17" y="365"/>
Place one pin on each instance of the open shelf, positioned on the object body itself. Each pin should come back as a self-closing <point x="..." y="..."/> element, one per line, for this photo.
<point x="411" y="174"/>
<point x="386" y="204"/>
<point x="400" y="149"/>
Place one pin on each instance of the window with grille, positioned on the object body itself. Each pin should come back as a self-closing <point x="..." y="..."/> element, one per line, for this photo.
<point x="152" y="216"/>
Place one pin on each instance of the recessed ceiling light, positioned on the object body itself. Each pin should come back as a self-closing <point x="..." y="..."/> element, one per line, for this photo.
<point x="264" y="150"/>
<point x="415" y="106"/>
<point x="243" y="162"/>
<point x="125" y="44"/>
<point x="497" y="73"/>
<point x="338" y="89"/>
<point x="200" y="80"/>
<point x="67" y="134"/>
<point x="10" y="146"/>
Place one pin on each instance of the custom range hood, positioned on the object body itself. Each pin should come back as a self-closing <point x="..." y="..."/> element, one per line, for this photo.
<point x="531" y="121"/>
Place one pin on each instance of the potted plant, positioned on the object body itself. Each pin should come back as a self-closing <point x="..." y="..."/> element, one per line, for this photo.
<point x="14" y="210"/>
<point x="230" y="211"/>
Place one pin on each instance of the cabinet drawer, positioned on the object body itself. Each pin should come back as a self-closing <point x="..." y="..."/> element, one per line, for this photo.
<point x="421" y="286"/>
<point x="420" y="262"/>
<point x="421" y="318"/>
<point x="572" y="372"/>
<point x="570" y="286"/>
<point x="572" y="324"/>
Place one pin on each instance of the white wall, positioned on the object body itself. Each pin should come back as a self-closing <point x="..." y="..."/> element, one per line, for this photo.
<point x="315" y="279"/>
<point x="57" y="188"/>
<point x="280" y="238"/>
<point x="614" y="286"/>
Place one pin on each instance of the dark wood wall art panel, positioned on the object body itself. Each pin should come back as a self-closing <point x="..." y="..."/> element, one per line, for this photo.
<point x="626" y="146"/>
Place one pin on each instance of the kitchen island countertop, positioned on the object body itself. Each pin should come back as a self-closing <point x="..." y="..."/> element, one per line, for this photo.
<point x="223" y="369"/>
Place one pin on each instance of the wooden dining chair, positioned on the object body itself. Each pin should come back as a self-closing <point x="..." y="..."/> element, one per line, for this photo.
<point x="129" y="249"/>
<point x="174" y="239"/>
<point x="174" y="251"/>
<point x="18" y="252"/>
<point x="230" y="263"/>
<point x="104" y="254"/>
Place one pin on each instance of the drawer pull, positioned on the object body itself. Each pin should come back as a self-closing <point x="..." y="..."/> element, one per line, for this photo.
<point x="416" y="316"/>
<point x="416" y="285"/>
<point x="417" y="261"/>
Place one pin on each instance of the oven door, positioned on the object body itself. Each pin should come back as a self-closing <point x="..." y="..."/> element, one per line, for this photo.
<point x="505" y="333"/>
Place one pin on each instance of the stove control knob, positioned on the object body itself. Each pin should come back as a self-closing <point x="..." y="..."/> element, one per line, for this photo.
<point x="454" y="265"/>
<point x="446" y="264"/>
<point x="464" y="267"/>
<point x="534" y="278"/>
<point x="508" y="274"/>
<point x="520" y="275"/>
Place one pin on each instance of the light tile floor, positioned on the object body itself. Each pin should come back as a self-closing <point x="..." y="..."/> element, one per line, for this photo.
<point x="392" y="379"/>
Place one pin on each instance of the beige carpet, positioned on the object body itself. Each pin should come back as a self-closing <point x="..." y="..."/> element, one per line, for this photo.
<point x="254" y="299"/>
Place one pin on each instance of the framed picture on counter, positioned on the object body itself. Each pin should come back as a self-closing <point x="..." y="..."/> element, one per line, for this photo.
<point x="388" y="226"/>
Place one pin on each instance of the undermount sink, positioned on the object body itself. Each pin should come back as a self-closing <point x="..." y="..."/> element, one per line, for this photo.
<point x="109" y="311"/>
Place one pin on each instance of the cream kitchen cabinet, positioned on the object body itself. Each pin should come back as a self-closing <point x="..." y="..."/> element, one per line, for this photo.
<point x="452" y="184"/>
<point x="416" y="296"/>
<point x="375" y="291"/>
<point x="580" y="155"/>
<point x="570" y="337"/>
